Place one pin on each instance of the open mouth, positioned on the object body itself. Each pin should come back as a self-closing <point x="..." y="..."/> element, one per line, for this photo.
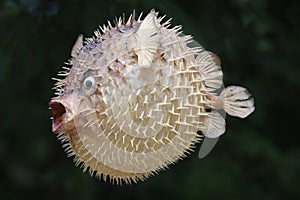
<point x="58" y="113"/>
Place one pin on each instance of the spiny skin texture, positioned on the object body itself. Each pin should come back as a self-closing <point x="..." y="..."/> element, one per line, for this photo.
<point x="135" y="97"/>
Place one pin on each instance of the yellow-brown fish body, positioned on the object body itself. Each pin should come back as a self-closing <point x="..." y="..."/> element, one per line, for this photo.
<point x="136" y="96"/>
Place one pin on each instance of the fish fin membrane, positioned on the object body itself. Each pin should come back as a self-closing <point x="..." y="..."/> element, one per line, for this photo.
<point x="215" y="125"/>
<point x="206" y="146"/>
<point x="238" y="101"/>
<point x="210" y="69"/>
<point x="147" y="39"/>
<point x="77" y="46"/>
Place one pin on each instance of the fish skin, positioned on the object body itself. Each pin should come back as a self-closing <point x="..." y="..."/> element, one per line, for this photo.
<point x="136" y="95"/>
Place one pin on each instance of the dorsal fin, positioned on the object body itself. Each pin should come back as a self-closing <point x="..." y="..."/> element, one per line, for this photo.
<point x="147" y="39"/>
<point x="210" y="69"/>
<point x="77" y="46"/>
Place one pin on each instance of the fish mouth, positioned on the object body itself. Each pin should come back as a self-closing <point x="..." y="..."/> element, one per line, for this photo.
<point x="64" y="109"/>
<point x="58" y="113"/>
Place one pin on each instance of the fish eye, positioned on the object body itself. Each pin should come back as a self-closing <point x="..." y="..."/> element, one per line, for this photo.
<point x="89" y="82"/>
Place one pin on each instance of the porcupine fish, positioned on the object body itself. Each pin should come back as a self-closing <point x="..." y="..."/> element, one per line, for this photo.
<point x="136" y="95"/>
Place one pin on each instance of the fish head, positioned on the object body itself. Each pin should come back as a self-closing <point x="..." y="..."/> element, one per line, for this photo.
<point x="78" y="104"/>
<point x="79" y="94"/>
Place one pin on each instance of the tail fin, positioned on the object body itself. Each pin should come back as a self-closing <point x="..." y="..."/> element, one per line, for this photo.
<point x="238" y="101"/>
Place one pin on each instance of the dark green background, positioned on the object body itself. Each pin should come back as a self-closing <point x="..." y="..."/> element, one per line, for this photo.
<point x="258" y="42"/>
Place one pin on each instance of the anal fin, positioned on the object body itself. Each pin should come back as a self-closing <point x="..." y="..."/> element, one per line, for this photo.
<point x="214" y="125"/>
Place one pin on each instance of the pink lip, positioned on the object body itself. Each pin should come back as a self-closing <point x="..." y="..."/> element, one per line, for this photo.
<point x="58" y="110"/>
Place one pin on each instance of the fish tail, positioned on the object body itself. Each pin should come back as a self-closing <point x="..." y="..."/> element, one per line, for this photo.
<point x="238" y="101"/>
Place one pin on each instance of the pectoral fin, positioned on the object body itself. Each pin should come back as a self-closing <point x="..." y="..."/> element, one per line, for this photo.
<point x="147" y="39"/>
<point x="77" y="46"/>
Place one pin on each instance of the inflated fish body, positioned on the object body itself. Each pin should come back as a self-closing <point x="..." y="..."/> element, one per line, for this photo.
<point x="135" y="97"/>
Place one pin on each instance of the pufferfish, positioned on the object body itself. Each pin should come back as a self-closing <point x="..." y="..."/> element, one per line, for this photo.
<point x="137" y="96"/>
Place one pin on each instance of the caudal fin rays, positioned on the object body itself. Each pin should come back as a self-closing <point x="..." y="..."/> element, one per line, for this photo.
<point x="238" y="101"/>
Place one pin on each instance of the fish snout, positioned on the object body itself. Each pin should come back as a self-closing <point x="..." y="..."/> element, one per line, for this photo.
<point x="63" y="109"/>
<point x="58" y="114"/>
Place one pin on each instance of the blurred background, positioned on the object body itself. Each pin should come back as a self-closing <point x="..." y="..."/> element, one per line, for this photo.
<point x="258" y="42"/>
